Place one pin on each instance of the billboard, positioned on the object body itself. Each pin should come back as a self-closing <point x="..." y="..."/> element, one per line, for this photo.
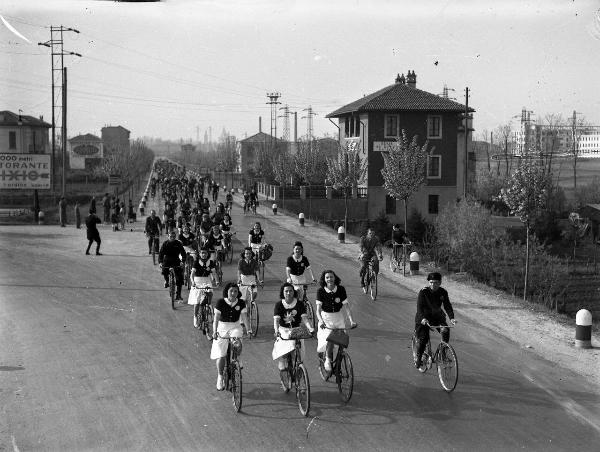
<point x="26" y="171"/>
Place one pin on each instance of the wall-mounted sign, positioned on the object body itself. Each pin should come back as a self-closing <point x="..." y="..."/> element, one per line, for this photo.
<point x="86" y="149"/>
<point x="25" y="171"/>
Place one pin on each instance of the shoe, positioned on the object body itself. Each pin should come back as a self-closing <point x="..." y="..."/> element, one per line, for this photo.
<point x="178" y="298"/>
<point x="149" y="251"/>
<point x="327" y="365"/>
<point x="195" y="322"/>
<point x="98" y="254"/>
<point x="364" y="288"/>
<point x="166" y="284"/>
<point x="418" y="363"/>
<point x="220" y="383"/>
<point x="87" y="253"/>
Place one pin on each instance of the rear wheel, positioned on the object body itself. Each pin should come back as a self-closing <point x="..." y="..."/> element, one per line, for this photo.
<point x="373" y="285"/>
<point x="302" y="389"/>
<point x="345" y="378"/>
<point x="236" y="385"/>
<point x="447" y="365"/>
<point x="253" y="317"/>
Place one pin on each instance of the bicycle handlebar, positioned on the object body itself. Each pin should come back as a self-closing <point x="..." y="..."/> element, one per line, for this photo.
<point x="325" y="327"/>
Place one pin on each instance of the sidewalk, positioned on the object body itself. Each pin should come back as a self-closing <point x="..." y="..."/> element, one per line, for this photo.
<point x="536" y="331"/>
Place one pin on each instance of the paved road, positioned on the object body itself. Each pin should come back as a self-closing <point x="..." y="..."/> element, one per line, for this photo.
<point x="93" y="358"/>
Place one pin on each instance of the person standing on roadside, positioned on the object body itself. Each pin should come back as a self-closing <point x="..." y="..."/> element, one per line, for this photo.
<point x="106" y="208"/>
<point x="93" y="205"/>
<point x="77" y="216"/>
<point x="93" y="235"/>
<point x="62" y="206"/>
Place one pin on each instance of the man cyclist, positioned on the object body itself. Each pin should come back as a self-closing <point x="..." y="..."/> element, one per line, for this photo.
<point x="370" y="249"/>
<point x="229" y="200"/>
<point x="399" y="238"/>
<point x="153" y="230"/>
<point x="171" y="255"/>
<point x="246" y="201"/>
<point x="430" y="302"/>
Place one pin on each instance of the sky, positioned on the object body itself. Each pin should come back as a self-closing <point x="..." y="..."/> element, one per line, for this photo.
<point x="174" y="69"/>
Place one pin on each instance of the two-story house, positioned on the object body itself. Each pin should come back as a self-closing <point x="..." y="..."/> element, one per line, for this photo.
<point x="375" y="120"/>
<point x="85" y="151"/>
<point x="22" y="134"/>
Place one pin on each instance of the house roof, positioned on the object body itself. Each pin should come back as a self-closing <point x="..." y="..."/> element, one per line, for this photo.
<point x="116" y="127"/>
<point x="400" y="97"/>
<point x="260" y="137"/>
<point x="8" y="118"/>
<point x="85" y="138"/>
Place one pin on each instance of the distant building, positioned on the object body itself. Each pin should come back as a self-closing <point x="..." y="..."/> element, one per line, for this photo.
<point x="377" y="119"/>
<point x="85" y="151"/>
<point x="23" y="134"/>
<point x="115" y="139"/>
<point x="249" y="148"/>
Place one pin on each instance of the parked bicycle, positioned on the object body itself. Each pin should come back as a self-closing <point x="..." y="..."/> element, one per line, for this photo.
<point x="232" y="373"/>
<point x="444" y="358"/>
<point x="341" y="366"/>
<point x="295" y="373"/>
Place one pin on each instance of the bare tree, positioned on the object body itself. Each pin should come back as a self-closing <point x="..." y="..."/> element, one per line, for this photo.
<point x="309" y="166"/>
<point x="226" y="153"/>
<point x="578" y="126"/>
<point x="504" y="132"/>
<point x="281" y="164"/>
<point x="404" y="169"/>
<point x="346" y="171"/>
<point x="553" y="124"/>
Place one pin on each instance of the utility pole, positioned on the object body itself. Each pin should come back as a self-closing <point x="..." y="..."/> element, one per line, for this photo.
<point x="64" y="133"/>
<point x="467" y="130"/>
<point x="575" y="146"/>
<point x="286" y="123"/>
<point x="273" y="102"/>
<point x="58" y="82"/>
<point x="309" y="125"/>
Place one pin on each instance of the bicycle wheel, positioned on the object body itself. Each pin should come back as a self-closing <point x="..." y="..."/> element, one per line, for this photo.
<point x="310" y="313"/>
<point x="186" y="274"/>
<point x="447" y="365"/>
<point x="236" y="385"/>
<point x="302" y="389"/>
<point x="345" y="376"/>
<point x="172" y="288"/>
<point x="261" y="273"/>
<point x="373" y="286"/>
<point x="254" y="317"/>
<point x="208" y="321"/>
<point x="230" y="253"/>
<point x="324" y="374"/>
<point x="393" y="262"/>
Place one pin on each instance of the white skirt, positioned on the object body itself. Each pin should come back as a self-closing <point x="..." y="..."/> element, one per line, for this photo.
<point x="196" y="293"/>
<point x="282" y="347"/>
<point x="225" y="330"/>
<point x="247" y="279"/>
<point x="332" y="320"/>
<point x="298" y="280"/>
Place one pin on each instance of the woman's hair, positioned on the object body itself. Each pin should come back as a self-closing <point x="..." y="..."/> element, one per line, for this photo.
<point x="257" y="223"/>
<point x="248" y="248"/>
<point x="298" y="243"/>
<point x="228" y="286"/>
<point x="283" y="286"/>
<point x="322" y="282"/>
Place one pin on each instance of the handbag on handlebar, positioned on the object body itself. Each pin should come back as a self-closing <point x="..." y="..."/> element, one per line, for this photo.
<point x="339" y="337"/>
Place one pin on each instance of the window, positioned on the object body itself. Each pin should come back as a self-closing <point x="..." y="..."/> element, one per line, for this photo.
<point x="347" y="127"/>
<point x="434" y="204"/>
<point x="352" y="127"/>
<point x="390" y="205"/>
<point x="391" y="126"/>
<point x="12" y="140"/>
<point x="434" y="167"/>
<point x="357" y="127"/>
<point x="434" y="127"/>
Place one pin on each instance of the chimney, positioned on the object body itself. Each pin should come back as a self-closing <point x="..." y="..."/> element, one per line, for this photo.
<point x="411" y="79"/>
<point x="401" y="79"/>
<point x="259" y="124"/>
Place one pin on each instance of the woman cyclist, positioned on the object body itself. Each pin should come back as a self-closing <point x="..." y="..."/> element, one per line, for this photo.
<point x="247" y="272"/>
<point x="296" y="268"/>
<point x="289" y="312"/>
<point x="255" y="237"/>
<point x="230" y="314"/>
<point x="332" y="309"/>
<point x="202" y="275"/>
<point x="215" y="242"/>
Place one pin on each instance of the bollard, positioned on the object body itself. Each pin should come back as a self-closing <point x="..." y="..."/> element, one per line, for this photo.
<point x="41" y="217"/>
<point x="274" y="209"/>
<point x="301" y="218"/>
<point x="583" y="329"/>
<point x="414" y="263"/>
<point x="341" y="234"/>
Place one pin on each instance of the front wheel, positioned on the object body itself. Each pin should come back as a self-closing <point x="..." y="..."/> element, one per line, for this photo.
<point x="261" y="273"/>
<point x="236" y="385"/>
<point x="345" y="377"/>
<point x="230" y="253"/>
<point x="172" y="289"/>
<point x="208" y="322"/>
<point x="254" y="317"/>
<point x="302" y="389"/>
<point x="373" y="286"/>
<point x="310" y="313"/>
<point x="447" y="365"/>
<point x="219" y="272"/>
<point x="393" y="261"/>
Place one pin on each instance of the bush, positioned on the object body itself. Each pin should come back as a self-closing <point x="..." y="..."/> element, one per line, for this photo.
<point x="417" y="227"/>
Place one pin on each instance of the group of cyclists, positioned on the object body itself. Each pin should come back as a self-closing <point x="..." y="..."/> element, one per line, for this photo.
<point x="199" y="238"/>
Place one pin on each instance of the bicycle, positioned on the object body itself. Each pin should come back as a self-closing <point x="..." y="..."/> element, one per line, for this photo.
<point x="205" y="313"/>
<point x="187" y="270"/>
<point x="253" y="205"/>
<point x="444" y="358"/>
<point x="252" y="307"/>
<point x="218" y="266"/>
<point x="371" y="280"/>
<point x="397" y="260"/>
<point x="172" y="284"/>
<point x="228" y="246"/>
<point x="341" y="366"/>
<point x="295" y="372"/>
<point x="261" y="266"/>
<point x="232" y="373"/>
<point x="154" y="247"/>
<point x="310" y="311"/>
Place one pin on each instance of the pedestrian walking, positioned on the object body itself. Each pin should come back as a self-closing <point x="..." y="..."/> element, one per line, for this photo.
<point x="62" y="206"/>
<point x="93" y="235"/>
<point x="78" y="215"/>
<point x="106" y="208"/>
<point x="93" y="205"/>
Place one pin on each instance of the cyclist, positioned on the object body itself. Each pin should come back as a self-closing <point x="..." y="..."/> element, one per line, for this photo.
<point x="229" y="200"/>
<point x="370" y="248"/>
<point x="230" y="314"/>
<point x="296" y="268"/>
<point x="289" y="312"/>
<point x="171" y="255"/>
<point x="246" y="201"/>
<point x="331" y="299"/>
<point x="217" y="217"/>
<point x="215" y="191"/>
<point x="247" y="272"/>
<point x="205" y="228"/>
<point x="399" y="238"/>
<point x="226" y="224"/>
<point x="255" y="237"/>
<point x="202" y="275"/>
<point x="153" y="230"/>
<point x="253" y="198"/>
<point x="215" y="242"/>
<point x="205" y="206"/>
<point x="430" y="302"/>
